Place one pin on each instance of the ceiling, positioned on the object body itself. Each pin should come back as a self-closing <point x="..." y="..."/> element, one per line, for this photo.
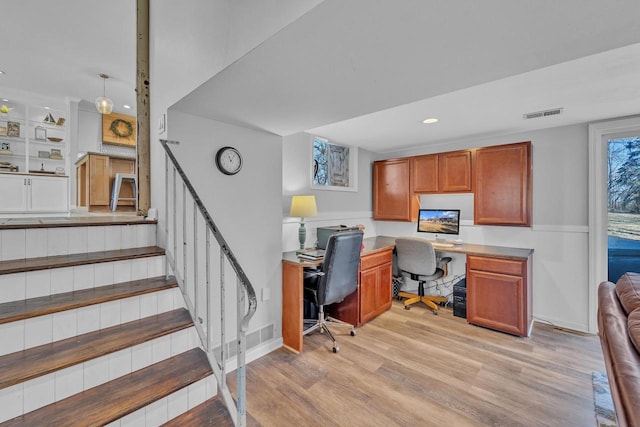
<point x="368" y="72"/>
<point x="58" y="49"/>
<point x="362" y="72"/>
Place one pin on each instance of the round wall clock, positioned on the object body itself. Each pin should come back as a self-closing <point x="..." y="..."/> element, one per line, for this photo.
<point x="229" y="160"/>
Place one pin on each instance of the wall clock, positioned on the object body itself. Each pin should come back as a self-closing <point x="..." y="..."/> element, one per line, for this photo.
<point x="229" y="160"/>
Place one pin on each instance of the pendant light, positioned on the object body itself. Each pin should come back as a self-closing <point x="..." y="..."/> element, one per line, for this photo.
<point x="104" y="104"/>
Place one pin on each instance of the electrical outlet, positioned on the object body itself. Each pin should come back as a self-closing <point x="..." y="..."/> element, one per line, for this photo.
<point x="266" y="294"/>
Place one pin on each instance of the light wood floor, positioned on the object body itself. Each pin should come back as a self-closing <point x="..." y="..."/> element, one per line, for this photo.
<point x="411" y="368"/>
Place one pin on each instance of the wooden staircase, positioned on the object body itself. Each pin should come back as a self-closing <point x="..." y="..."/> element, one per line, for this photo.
<point x="93" y="333"/>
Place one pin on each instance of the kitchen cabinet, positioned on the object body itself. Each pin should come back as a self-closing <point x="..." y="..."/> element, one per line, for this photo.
<point x="499" y="294"/>
<point x="443" y="172"/>
<point x="374" y="293"/>
<point x="375" y="285"/>
<point x="95" y="173"/>
<point x="32" y="193"/>
<point x="393" y="198"/>
<point x="502" y="185"/>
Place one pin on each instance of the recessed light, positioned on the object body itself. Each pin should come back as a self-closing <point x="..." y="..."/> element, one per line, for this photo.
<point x="47" y="108"/>
<point x="2" y="72"/>
<point x="128" y="107"/>
<point x="5" y="100"/>
<point x="430" y="121"/>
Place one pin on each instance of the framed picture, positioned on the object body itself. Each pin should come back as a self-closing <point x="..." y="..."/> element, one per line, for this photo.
<point x="5" y="148"/>
<point x="43" y="154"/>
<point x="41" y="133"/>
<point x="118" y="129"/>
<point x="56" y="153"/>
<point x="333" y="166"/>
<point x="13" y="129"/>
<point x="3" y="131"/>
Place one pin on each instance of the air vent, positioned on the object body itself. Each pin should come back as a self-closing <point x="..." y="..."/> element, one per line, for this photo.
<point x="546" y="113"/>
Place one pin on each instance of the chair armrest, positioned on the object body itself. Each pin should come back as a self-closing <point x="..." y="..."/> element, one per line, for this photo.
<point x="443" y="263"/>
<point x="312" y="273"/>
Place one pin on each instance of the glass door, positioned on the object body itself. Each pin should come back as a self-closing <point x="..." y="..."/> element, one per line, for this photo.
<point x="623" y="204"/>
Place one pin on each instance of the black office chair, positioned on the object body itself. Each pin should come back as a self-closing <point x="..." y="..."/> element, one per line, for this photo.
<point x="336" y="278"/>
<point x="417" y="260"/>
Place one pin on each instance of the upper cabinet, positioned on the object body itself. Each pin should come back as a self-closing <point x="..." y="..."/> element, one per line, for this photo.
<point x="502" y="185"/>
<point x="392" y="196"/>
<point x="499" y="177"/>
<point x="442" y="173"/>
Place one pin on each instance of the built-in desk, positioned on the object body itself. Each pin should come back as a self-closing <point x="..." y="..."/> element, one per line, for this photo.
<point x="499" y="291"/>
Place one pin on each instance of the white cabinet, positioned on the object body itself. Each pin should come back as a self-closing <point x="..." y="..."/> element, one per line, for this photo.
<point x="33" y="194"/>
<point x="34" y="158"/>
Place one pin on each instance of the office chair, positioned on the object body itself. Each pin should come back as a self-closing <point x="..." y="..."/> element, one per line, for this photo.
<point x="417" y="260"/>
<point x="336" y="278"/>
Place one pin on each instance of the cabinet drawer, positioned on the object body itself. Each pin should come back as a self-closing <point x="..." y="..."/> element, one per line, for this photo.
<point x="375" y="259"/>
<point x="496" y="265"/>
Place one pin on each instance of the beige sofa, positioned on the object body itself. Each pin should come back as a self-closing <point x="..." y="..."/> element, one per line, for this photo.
<point x="619" y="329"/>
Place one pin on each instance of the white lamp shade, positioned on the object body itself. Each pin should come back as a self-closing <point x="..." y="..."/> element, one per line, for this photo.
<point x="104" y="105"/>
<point x="303" y="207"/>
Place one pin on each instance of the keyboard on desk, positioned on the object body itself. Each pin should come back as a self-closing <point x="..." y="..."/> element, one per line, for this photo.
<point x="437" y="245"/>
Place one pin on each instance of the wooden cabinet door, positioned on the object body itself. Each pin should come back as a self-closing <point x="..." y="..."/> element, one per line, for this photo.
<point x="454" y="172"/>
<point x="502" y="185"/>
<point x="368" y="291"/>
<point x="385" y="275"/>
<point x="49" y="194"/>
<point x="13" y="193"/>
<point x="425" y="173"/>
<point x="99" y="188"/>
<point x="499" y="294"/>
<point x="392" y="196"/>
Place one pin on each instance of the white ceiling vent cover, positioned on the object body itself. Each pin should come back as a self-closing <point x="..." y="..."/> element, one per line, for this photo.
<point x="546" y="113"/>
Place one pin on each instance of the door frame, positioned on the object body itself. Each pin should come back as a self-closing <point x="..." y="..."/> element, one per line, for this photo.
<point x="599" y="134"/>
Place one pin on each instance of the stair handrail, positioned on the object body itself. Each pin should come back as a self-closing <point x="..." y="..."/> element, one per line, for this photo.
<point x="240" y="417"/>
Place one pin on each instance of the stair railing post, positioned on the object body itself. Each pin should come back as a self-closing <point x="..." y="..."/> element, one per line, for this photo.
<point x="208" y="284"/>
<point x="184" y="237"/>
<point x="195" y="261"/>
<point x="175" y="222"/>
<point x="166" y="212"/>
<point x="242" y="347"/>
<point x="223" y="337"/>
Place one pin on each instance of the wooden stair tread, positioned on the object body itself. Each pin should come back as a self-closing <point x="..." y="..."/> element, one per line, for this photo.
<point x="212" y="412"/>
<point x="73" y="221"/>
<point x="37" y="361"/>
<point x="113" y="400"/>
<point x="24" y="309"/>
<point x="44" y="263"/>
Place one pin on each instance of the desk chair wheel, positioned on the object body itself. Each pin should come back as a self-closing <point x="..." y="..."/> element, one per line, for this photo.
<point x="435" y="312"/>
<point x="335" y="349"/>
<point x="353" y="333"/>
<point x="407" y="307"/>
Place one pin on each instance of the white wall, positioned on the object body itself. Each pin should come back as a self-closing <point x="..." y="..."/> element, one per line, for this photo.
<point x="244" y="206"/>
<point x="334" y="207"/>
<point x="559" y="234"/>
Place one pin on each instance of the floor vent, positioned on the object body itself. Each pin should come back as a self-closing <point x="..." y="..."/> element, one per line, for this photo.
<point x="546" y="113"/>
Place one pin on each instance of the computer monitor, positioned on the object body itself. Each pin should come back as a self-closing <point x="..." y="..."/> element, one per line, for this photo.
<point x="439" y="221"/>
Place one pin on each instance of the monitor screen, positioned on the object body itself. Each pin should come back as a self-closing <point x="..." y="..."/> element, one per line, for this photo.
<point x="439" y="221"/>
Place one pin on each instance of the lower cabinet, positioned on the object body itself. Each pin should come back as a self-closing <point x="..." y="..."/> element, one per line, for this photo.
<point x="499" y="294"/>
<point x="373" y="295"/>
<point x="375" y="284"/>
<point x="34" y="194"/>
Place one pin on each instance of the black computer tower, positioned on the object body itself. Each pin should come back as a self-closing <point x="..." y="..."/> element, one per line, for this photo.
<point x="460" y="298"/>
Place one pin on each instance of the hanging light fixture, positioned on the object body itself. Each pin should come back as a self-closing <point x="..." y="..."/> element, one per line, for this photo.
<point x="104" y="104"/>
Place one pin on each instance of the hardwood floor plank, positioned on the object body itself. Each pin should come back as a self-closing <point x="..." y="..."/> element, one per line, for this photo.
<point x="44" y="359"/>
<point x="410" y="368"/>
<point x="108" y="402"/>
<point x="44" y="263"/>
<point x="213" y="412"/>
<point x="33" y="307"/>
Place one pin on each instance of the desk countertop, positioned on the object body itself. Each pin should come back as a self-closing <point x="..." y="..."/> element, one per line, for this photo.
<point x="94" y="153"/>
<point x="379" y="243"/>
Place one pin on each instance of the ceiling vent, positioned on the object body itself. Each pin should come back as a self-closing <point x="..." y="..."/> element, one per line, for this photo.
<point x="546" y="113"/>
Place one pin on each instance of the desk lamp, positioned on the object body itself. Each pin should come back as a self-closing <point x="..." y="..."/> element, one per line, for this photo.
<point x="303" y="207"/>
